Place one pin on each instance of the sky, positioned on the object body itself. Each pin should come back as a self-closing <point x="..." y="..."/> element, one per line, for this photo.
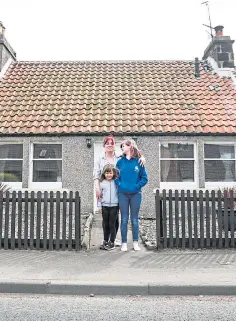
<point x="113" y="29"/>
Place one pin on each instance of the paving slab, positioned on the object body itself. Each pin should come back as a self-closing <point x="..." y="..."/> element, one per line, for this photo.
<point x="176" y="272"/>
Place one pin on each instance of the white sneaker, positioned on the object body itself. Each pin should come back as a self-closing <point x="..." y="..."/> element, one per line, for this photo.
<point x="124" y="247"/>
<point x="136" y="246"/>
<point x="117" y="242"/>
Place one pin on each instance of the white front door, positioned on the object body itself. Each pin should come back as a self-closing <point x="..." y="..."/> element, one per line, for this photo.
<point x="99" y="150"/>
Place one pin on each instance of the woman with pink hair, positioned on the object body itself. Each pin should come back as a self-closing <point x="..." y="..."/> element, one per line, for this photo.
<point x="109" y="157"/>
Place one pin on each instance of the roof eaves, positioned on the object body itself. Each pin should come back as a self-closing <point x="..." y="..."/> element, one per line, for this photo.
<point x="159" y="134"/>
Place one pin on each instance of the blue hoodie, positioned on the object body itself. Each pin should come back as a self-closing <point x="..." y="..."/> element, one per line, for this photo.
<point x="132" y="176"/>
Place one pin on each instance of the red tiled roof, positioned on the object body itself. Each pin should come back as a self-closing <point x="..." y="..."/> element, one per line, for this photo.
<point x="153" y="97"/>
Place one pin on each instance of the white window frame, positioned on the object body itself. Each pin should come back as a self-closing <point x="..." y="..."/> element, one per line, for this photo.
<point x="180" y="185"/>
<point x="217" y="185"/>
<point x="43" y="185"/>
<point x="14" y="185"/>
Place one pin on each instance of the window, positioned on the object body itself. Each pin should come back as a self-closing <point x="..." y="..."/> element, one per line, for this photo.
<point x="220" y="162"/>
<point x="11" y="160"/>
<point x="47" y="162"/>
<point x="177" y="162"/>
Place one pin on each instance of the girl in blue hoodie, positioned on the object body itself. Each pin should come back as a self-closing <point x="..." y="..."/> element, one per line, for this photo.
<point x="132" y="177"/>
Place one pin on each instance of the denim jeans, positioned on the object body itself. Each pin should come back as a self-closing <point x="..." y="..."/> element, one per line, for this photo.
<point x="132" y="202"/>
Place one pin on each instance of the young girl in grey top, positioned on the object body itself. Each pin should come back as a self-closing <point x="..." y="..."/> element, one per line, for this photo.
<point x="109" y="205"/>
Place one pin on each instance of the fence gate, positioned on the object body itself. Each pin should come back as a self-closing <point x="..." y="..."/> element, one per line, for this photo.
<point x="195" y="219"/>
<point x="41" y="221"/>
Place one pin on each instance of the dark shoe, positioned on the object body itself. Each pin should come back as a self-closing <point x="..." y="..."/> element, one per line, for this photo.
<point x="110" y="246"/>
<point x="104" y="245"/>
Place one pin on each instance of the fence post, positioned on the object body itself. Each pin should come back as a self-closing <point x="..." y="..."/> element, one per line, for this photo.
<point x="158" y="218"/>
<point x="38" y="219"/>
<point x="45" y="219"/>
<point x="51" y="222"/>
<point x="213" y="205"/>
<point x="19" y="219"/>
<point x="58" y="219"/>
<point x="31" y="220"/>
<point x="64" y="212"/>
<point x="77" y="222"/>
<point x="13" y="221"/>
<point x="232" y="227"/>
<point x="70" y="220"/>
<point x="1" y="216"/>
<point x="225" y="222"/>
<point x="26" y="221"/>
<point x="6" y="228"/>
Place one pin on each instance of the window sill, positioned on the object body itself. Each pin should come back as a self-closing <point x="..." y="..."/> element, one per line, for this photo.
<point x="45" y="186"/>
<point x="14" y="186"/>
<point x="219" y="185"/>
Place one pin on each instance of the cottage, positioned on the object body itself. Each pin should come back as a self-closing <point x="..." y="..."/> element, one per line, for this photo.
<point x="54" y="115"/>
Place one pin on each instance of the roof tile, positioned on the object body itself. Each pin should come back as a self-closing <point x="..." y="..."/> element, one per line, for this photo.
<point x="122" y="97"/>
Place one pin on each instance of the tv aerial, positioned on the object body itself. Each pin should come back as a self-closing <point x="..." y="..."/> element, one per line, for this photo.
<point x="209" y="17"/>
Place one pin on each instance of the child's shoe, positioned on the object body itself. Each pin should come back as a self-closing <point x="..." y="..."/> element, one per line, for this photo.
<point x="136" y="246"/>
<point x="104" y="245"/>
<point x="124" y="247"/>
<point x="110" y="246"/>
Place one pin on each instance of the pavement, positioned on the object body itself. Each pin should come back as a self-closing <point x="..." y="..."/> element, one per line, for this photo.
<point x="97" y="272"/>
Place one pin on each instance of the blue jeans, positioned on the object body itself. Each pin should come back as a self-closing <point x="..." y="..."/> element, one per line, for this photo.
<point x="133" y="202"/>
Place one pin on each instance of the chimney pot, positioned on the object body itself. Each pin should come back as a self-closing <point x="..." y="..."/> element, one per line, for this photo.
<point x="220" y="49"/>
<point x="219" y="31"/>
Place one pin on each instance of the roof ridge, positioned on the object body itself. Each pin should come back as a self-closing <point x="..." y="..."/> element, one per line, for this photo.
<point x="99" y="61"/>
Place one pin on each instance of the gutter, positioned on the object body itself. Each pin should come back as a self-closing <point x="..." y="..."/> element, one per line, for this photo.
<point x="117" y="134"/>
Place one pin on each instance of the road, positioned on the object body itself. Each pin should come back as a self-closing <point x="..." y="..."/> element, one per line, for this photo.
<point x="16" y="307"/>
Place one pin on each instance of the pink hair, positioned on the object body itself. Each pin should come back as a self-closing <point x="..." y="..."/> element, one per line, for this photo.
<point x="107" y="138"/>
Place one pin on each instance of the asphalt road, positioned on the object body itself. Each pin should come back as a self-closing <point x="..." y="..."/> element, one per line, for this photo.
<point x="64" y="308"/>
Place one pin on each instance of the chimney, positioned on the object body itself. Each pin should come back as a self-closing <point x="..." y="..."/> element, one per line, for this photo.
<point x="6" y="50"/>
<point x="220" y="49"/>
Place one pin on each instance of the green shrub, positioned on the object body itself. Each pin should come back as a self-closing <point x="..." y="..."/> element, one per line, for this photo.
<point x="8" y="177"/>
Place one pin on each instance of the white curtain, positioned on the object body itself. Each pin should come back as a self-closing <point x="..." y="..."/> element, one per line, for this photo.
<point x="226" y="163"/>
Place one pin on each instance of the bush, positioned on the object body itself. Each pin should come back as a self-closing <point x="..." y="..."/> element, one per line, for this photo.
<point x="8" y="177"/>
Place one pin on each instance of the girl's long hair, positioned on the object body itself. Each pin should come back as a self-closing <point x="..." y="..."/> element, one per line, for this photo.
<point x="107" y="169"/>
<point x="134" y="151"/>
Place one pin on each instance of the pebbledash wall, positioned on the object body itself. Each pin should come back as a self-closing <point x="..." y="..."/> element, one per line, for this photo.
<point x="78" y="159"/>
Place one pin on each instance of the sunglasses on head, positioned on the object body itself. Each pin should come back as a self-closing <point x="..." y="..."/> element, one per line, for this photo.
<point x="126" y="143"/>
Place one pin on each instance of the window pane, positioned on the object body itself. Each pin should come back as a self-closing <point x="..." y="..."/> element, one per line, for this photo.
<point x="219" y="151"/>
<point x="177" y="151"/>
<point x="11" y="171"/>
<point x="47" y="151"/>
<point x="219" y="171"/>
<point x="47" y="171"/>
<point x="177" y="171"/>
<point x="11" y="151"/>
